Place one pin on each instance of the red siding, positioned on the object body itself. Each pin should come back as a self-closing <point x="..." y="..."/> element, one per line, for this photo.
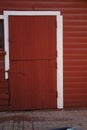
<point x="75" y="43"/>
<point x="4" y="91"/>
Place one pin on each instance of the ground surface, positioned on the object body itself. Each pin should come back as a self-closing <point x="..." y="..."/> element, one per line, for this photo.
<point x="43" y="120"/>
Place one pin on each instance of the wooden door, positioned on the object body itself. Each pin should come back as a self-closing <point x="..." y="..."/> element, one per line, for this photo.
<point x="32" y="75"/>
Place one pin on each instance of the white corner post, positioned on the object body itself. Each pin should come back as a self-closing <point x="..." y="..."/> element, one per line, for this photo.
<point x="60" y="61"/>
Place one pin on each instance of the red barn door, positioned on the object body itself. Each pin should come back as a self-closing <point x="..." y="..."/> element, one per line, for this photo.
<point x="32" y="74"/>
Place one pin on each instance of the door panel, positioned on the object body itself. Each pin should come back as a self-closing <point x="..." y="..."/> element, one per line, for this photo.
<point x="34" y="37"/>
<point x="32" y="62"/>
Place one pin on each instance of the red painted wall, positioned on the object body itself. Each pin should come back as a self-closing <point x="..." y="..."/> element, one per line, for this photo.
<point x="74" y="42"/>
<point x="4" y="91"/>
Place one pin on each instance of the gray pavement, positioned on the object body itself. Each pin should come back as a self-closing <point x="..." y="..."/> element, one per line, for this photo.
<point x="43" y="120"/>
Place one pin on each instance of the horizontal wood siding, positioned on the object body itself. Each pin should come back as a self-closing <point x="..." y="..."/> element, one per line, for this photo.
<point x="74" y="42"/>
<point x="75" y="56"/>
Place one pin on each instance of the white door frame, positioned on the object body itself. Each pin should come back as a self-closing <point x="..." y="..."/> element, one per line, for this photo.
<point x="59" y="33"/>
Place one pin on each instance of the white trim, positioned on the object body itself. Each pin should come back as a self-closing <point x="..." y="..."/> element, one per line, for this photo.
<point x="6" y="47"/>
<point x="32" y="13"/>
<point x="60" y="61"/>
<point x="59" y="45"/>
<point x="1" y="16"/>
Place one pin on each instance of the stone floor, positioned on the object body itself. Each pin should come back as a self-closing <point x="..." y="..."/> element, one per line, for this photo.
<point x="43" y="120"/>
